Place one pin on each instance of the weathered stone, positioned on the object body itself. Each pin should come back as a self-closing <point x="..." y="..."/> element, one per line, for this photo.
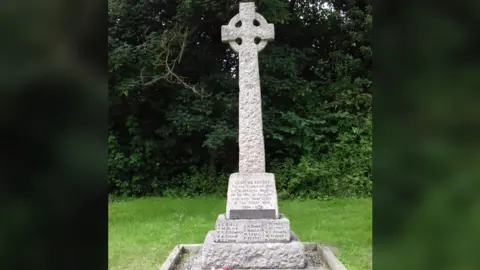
<point x="252" y="196"/>
<point x="251" y="235"/>
<point x="250" y="135"/>
<point x="252" y="230"/>
<point x="252" y="255"/>
<point x="242" y="26"/>
<point x="317" y="258"/>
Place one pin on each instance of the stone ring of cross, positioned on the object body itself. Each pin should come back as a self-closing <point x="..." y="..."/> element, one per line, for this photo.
<point x="248" y="28"/>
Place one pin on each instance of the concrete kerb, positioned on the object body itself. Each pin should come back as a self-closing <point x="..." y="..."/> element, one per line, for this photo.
<point x="328" y="255"/>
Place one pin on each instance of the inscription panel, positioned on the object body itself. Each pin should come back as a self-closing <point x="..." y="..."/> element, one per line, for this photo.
<point x="252" y="231"/>
<point x="275" y="231"/>
<point x="228" y="231"/>
<point x="252" y="191"/>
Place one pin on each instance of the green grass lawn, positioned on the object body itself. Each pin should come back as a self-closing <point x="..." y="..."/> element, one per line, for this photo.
<point x="142" y="232"/>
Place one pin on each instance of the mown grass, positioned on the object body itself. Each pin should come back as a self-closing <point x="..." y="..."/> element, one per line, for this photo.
<point x="142" y="232"/>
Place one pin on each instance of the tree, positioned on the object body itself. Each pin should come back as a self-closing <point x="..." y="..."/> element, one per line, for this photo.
<point x="173" y="96"/>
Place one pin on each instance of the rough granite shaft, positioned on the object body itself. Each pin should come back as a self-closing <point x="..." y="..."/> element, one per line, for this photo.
<point x="250" y="137"/>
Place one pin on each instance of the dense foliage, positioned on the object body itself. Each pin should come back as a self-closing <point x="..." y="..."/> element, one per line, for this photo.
<point x="174" y="97"/>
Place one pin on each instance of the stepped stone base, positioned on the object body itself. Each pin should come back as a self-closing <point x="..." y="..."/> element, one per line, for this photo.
<point x="252" y="230"/>
<point x="252" y="255"/>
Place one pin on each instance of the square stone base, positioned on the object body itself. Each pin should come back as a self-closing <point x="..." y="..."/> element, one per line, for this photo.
<point x="252" y="230"/>
<point x="252" y="255"/>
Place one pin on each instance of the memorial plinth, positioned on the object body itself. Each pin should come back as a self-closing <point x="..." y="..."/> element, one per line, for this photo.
<point x="252" y="235"/>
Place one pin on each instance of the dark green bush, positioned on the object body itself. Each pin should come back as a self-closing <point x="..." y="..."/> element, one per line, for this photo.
<point x="174" y="99"/>
<point x="345" y="171"/>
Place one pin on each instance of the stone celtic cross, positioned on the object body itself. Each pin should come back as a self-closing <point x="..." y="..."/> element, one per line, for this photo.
<point x="251" y="234"/>
<point x="248" y="33"/>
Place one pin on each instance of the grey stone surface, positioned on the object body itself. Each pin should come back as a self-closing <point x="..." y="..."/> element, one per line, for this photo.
<point x="252" y="230"/>
<point x="247" y="31"/>
<point x="172" y="259"/>
<point x="195" y="263"/>
<point x="249" y="192"/>
<point x="331" y="260"/>
<point x="250" y="135"/>
<point x="252" y="255"/>
<point x="316" y="259"/>
<point x="252" y="214"/>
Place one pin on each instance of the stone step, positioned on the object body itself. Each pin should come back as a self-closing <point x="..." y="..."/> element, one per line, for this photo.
<point x="289" y="255"/>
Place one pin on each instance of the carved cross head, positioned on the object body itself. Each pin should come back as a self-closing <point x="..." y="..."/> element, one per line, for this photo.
<point x="248" y="29"/>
